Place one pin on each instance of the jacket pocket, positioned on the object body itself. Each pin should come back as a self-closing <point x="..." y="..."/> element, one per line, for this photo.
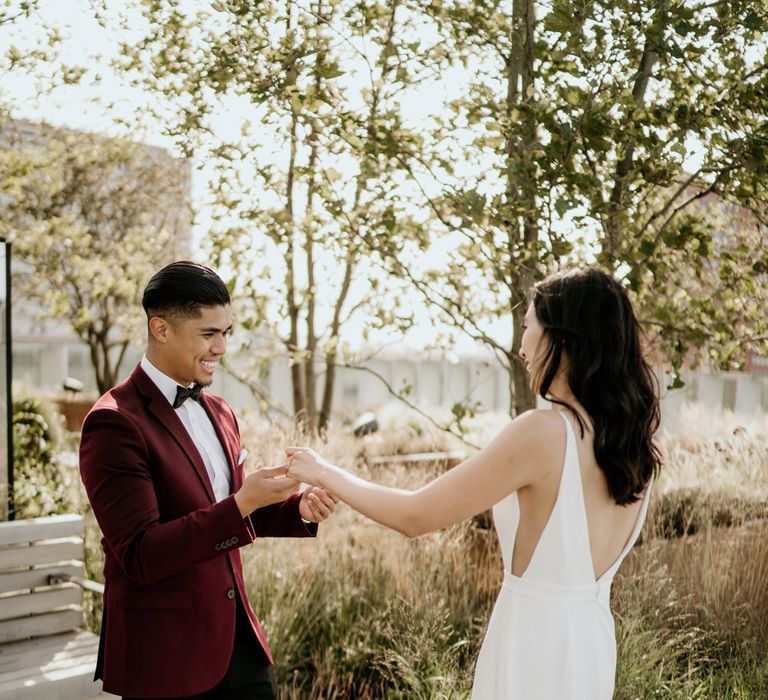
<point x="157" y="600"/>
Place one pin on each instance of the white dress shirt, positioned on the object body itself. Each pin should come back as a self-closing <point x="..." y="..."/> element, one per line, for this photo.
<point x="200" y="429"/>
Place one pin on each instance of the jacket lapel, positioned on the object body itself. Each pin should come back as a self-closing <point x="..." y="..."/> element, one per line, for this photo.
<point x="163" y="411"/>
<point x="228" y="439"/>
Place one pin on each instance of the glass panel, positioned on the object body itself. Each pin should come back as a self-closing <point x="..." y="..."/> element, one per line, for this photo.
<point x="5" y="425"/>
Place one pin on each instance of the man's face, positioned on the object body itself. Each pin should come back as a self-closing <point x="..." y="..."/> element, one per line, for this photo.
<point x="195" y="345"/>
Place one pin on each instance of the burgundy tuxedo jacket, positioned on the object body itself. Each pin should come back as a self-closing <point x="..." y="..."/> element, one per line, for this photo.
<point x="172" y="567"/>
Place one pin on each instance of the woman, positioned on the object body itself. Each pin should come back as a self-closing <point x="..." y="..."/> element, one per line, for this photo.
<point x="569" y="488"/>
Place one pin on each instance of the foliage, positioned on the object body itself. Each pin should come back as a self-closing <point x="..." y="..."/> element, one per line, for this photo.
<point x="304" y="177"/>
<point x="40" y="485"/>
<point x="632" y="132"/>
<point x="35" y="59"/>
<point x="90" y="218"/>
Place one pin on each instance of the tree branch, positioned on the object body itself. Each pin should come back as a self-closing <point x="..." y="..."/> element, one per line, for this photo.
<point x="444" y="427"/>
<point x="256" y="389"/>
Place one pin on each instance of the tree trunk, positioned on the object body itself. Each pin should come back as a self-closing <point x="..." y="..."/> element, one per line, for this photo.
<point x="310" y="372"/>
<point x="105" y="373"/>
<point x="522" y="396"/>
<point x="330" y="362"/>
<point x="521" y="188"/>
<point x="299" y="407"/>
<point x="654" y="38"/>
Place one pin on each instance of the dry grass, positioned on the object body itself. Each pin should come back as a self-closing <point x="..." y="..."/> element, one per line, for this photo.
<point x="374" y="615"/>
<point x="365" y="613"/>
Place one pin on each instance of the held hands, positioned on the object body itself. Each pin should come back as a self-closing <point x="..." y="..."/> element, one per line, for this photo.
<point x="270" y="485"/>
<point x="317" y="504"/>
<point x="264" y="487"/>
<point x="304" y="464"/>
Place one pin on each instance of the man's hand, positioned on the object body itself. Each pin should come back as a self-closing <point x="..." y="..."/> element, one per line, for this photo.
<point x="263" y="488"/>
<point x="317" y="504"/>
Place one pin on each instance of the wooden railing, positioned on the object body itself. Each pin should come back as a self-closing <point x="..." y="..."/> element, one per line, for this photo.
<point x="44" y="652"/>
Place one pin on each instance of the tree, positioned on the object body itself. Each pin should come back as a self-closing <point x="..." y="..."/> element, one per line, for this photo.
<point x="90" y="219"/>
<point x="12" y="58"/>
<point x="597" y="130"/>
<point x="290" y="68"/>
<point x="582" y="131"/>
<point x="20" y="18"/>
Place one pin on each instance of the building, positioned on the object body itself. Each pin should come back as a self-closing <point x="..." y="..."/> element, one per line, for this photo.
<point x="46" y="351"/>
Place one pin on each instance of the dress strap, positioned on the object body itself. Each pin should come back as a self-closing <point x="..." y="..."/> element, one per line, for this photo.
<point x="635" y="533"/>
<point x="576" y="536"/>
<point x="571" y="463"/>
<point x="570" y="436"/>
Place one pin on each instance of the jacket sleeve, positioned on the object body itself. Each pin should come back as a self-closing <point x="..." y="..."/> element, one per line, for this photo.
<point x="276" y="520"/>
<point x="117" y="474"/>
<point x="281" y="520"/>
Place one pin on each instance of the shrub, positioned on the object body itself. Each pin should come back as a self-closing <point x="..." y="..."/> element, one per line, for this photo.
<point x="40" y="485"/>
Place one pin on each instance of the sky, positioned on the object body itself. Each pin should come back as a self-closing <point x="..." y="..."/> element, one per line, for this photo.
<point x="103" y="102"/>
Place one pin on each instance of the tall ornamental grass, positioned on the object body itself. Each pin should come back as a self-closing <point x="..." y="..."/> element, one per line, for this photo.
<point x="362" y="612"/>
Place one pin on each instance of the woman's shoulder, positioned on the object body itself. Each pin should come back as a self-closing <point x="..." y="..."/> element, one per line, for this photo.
<point x="535" y="430"/>
<point x="540" y="421"/>
<point x="534" y="440"/>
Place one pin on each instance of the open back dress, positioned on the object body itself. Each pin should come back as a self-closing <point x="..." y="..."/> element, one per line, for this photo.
<point x="551" y="634"/>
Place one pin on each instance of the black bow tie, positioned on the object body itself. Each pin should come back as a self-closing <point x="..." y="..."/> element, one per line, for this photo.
<point x="184" y="393"/>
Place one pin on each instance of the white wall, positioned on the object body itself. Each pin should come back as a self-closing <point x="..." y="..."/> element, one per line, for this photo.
<point x="45" y="363"/>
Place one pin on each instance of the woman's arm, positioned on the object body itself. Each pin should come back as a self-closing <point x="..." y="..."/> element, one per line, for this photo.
<point x="523" y="453"/>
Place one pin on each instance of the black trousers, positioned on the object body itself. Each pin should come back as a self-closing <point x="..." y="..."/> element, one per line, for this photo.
<point x="250" y="676"/>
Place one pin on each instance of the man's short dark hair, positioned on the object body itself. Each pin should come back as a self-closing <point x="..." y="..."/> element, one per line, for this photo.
<point x="181" y="289"/>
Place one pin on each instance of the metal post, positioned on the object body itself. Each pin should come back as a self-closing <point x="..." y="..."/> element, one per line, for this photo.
<point x="9" y="377"/>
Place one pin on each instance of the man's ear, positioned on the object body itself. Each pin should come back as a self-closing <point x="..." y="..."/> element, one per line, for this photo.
<point x="159" y="329"/>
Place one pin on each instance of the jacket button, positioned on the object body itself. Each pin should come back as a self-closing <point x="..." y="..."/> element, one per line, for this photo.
<point x="231" y="593"/>
<point x="217" y="546"/>
<point x="235" y="540"/>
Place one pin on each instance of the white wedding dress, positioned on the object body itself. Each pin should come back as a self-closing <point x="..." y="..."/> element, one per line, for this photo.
<point x="551" y="634"/>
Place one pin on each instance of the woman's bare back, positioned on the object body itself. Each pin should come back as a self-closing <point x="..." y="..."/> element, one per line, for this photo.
<point x="610" y="525"/>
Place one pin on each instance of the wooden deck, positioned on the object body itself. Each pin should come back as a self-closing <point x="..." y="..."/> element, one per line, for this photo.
<point x="44" y="652"/>
<point x="58" y="667"/>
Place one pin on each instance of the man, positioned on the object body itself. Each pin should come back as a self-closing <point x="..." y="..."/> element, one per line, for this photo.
<point x="163" y="467"/>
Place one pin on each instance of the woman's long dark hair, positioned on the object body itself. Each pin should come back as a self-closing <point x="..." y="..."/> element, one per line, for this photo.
<point x="587" y="316"/>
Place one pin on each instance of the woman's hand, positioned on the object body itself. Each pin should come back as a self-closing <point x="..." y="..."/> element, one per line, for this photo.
<point x="304" y="464"/>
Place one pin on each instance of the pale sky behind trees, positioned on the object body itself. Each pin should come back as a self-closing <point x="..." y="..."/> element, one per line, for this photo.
<point x="103" y="101"/>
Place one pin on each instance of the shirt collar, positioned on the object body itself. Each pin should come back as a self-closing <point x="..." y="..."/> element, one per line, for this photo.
<point x="163" y="382"/>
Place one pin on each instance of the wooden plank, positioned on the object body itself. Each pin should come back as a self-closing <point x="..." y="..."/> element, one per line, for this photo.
<point x="25" y="604"/>
<point x="59" y="667"/>
<point x="44" y="553"/>
<point x="72" y="683"/>
<point x="53" y="664"/>
<point x="47" y="528"/>
<point x="74" y="687"/>
<point x="50" y="659"/>
<point x="38" y="625"/>
<point x="40" y="650"/>
<point x="38" y="577"/>
<point x="84" y="583"/>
